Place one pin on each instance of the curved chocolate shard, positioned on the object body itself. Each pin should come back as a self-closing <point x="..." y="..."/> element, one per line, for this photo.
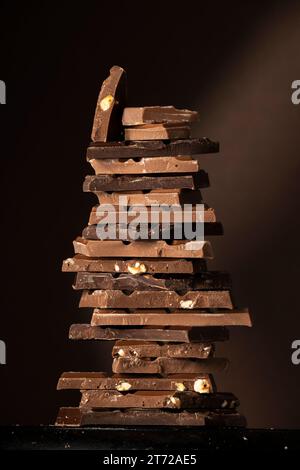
<point x="141" y="183"/>
<point x="157" y="115"/>
<point x="209" y="280"/>
<point x="132" y="265"/>
<point x="178" y="335"/>
<point x="143" y="349"/>
<point x="74" y="417"/>
<point x="117" y="299"/>
<point x="200" y="383"/>
<point x="151" y="148"/>
<point x="107" y="125"/>
<point x="167" y="365"/>
<point x="93" y="399"/>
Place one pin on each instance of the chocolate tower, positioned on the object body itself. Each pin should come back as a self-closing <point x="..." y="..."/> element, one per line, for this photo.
<point x="153" y="297"/>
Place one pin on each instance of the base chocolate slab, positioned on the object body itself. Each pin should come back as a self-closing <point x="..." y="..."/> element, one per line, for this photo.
<point x="200" y="383"/>
<point x="133" y="265"/>
<point x="75" y="417"/>
<point x="83" y="331"/>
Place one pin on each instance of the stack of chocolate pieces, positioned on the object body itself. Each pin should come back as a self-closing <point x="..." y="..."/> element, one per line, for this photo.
<point x="154" y="298"/>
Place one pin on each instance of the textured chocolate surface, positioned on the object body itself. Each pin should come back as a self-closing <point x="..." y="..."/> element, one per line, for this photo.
<point x="148" y="198"/>
<point x="143" y="349"/>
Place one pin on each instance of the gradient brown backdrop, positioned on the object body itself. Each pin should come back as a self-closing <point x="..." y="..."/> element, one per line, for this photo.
<point x="235" y="63"/>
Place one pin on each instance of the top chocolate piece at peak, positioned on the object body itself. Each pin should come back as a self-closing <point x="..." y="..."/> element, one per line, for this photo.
<point x="107" y="125"/>
<point x="157" y="115"/>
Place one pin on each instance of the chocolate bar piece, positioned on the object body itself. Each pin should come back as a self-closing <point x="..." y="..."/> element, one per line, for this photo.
<point x="156" y="231"/>
<point x="144" y="349"/>
<point x="107" y="124"/>
<point x="161" y="214"/>
<point x="182" y="335"/>
<point x="150" y="198"/>
<point x="152" y="417"/>
<point x="158" y="299"/>
<point x="168" y="365"/>
<point x="208" y="280"/>
<point x="143" y="248"/>
<point x="93" y="399"/>
<point x="157" y="115"/>
<point x="200" y="383"/>
<point x="151" y="148"/>
<point x="132" y="182"/>
<point x="158" y="132"/>
<point x="158" y="165"/>
<point x="162" y="318"/>
<point x="133" y="266"/>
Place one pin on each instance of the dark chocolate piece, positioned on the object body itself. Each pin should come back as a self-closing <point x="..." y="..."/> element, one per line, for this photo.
<point x="179" y="335"/>
<point x="93" y="399"/>
<point x="156" y="115"/>
<point x="151" y="148"/>
<point x="136" y="182"/>
<point x="143" y="349"/>
<point x="107" y="124"/>
<point x="200" y="383"/>
<point x="168" y="365"/>
<point x="76" y="417"/>
<point x="158" y="132"/>
<point x="208" y="280"/>
<point x="157" y="299"/>
<point x="133" y="266"/>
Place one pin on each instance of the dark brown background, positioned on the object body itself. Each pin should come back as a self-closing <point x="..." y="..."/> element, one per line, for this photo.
<point x="235" y="63"/>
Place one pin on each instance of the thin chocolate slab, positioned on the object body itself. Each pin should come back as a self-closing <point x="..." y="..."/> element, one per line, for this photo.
<point x="107" y="125"/>
<point x="161" y="214"/>
<point x="152" y="148"/>
<point x="133" y="265"/>
<point x="157" y="114"/>
<point x="208" y="280"/>
<point x="168" y="365"/>
<point x="75" y="417"/>
<point x="150" y="198"/>
<point x="143" y="349"/>
<point x="156" y="231"/>
<point x="93" y="399"/>
<point x="158" y="132"/>
<point x="178" y="164"/>
<point x="143" y="248"/>
<point x="135" y="182"/>
<point x="179" y="335"/>
<point x="162" y="318"/>
<point x="200" y="383"/>
<point x="158" y="299"/>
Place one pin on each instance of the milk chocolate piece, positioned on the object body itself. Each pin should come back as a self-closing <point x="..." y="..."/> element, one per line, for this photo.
<point x="200" y="383"/>
<point x="93" y="399"/>
<point x="133" y="266"/>
<point x="178" y="164"/>
<point x="143" y="248"/>
<point x="158" y="132"/>
<point x="149" y="198"/>
<point x="208" y="280"/>
<point x="156" y="115"/>
<point x="107" y="124"/>
<point x="134" y="182"/>
<point x="181" y="335"/>
<point x="151" y="148"/>
<point x="161" y="214"/>
<point x="168" y="365"/>
<point x="162" y="318"/>
<point x="142" y="349"/>
<point x="156" y="231"/>
<point x="129" y="417"/>
<point x="158" y="299"/>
